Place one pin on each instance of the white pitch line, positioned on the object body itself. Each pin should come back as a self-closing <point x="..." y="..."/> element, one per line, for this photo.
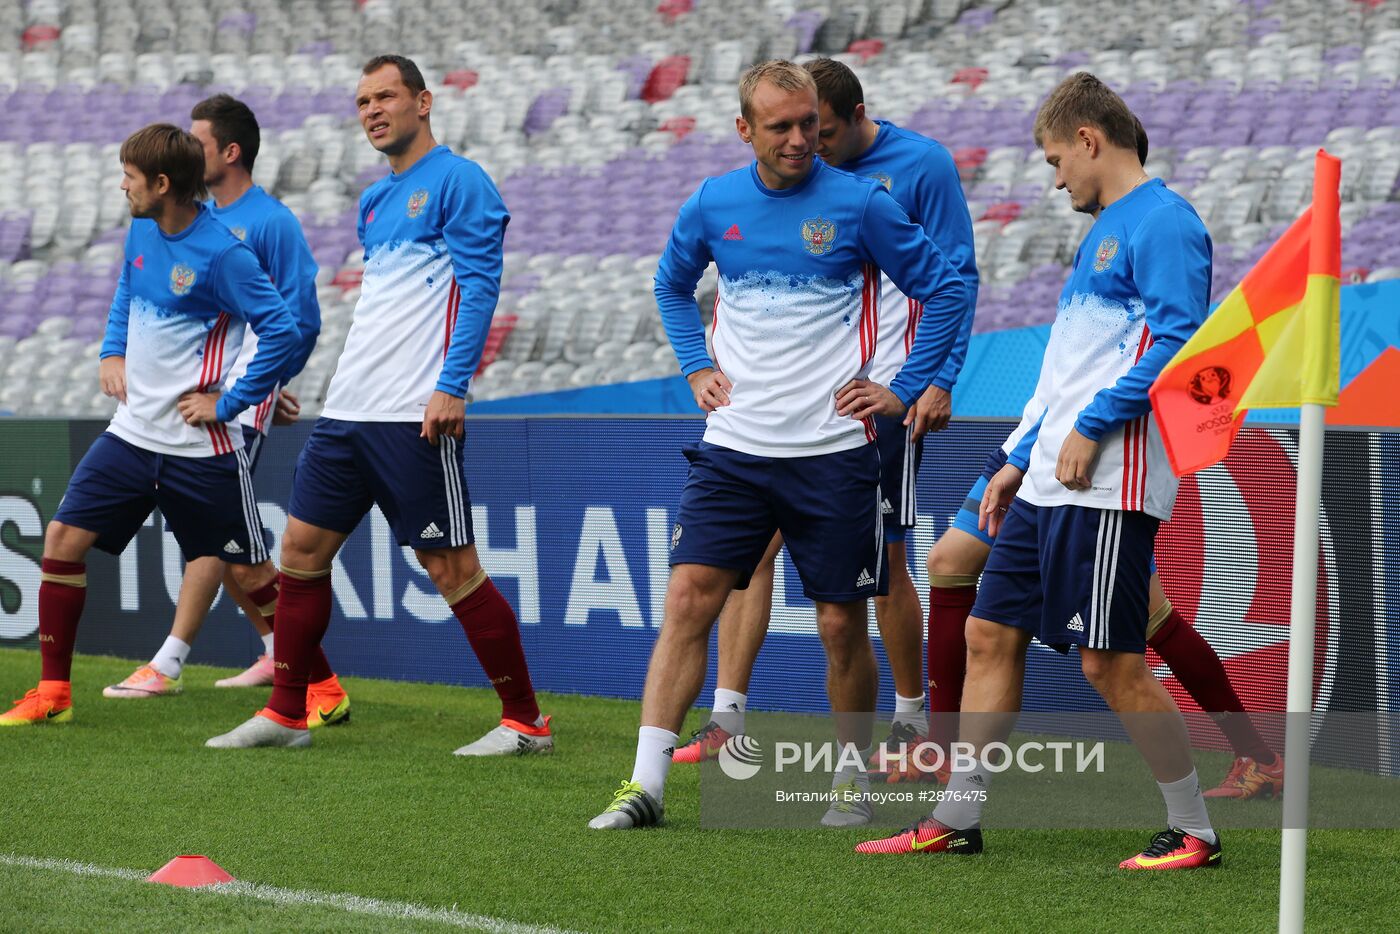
<point x="355" y="904"/>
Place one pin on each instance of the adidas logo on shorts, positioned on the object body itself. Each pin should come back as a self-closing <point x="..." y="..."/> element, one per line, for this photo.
<point x="233" y="548"/>
<point x="1076" y="624"/>
<point x="886" y="506"/>
<point x="432" y="531"/>
<point x="865" y="580"/>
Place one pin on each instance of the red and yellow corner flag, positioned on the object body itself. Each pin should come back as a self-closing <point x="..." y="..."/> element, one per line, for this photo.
<point x="1272" y="343"/>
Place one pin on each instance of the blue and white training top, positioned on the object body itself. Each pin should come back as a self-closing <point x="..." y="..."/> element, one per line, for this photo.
<point x="273" y="233"/>
<point x="1139" y="288"/>
<point x="178" y="318"/>
<point x="795" y="318"/>
<point x="921" y="175"/>
<point x="433" y="239"/>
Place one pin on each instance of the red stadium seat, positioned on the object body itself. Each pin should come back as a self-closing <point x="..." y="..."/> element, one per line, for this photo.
<point x="501" y="326"/>
<point x="866" y="48"/>
<point x="680" y="126"/>
<point x="675" y="9"/>
<point x="348" y="279"/>
<point x="668" y="75"/>
<point x="40" y="35"/>
<point x="1003" y="211"/>
<point x="461" y="78"/>
<point x="972" y="77"/>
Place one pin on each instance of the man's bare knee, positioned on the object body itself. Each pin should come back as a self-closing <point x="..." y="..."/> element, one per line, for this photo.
<point x="989" y="641"/>
<point x="1110" y="671"/>
<point x="695" y="594"/>
<point x="957" y="554"/>
<point x="67" y="542"/>
<point x="841" y="624"/>
<point x="252" y="577"/>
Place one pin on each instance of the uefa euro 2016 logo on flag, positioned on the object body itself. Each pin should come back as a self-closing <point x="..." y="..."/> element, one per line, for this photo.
<point x="1108" y="248"/>
<point x="819" y="235"/>
<point x="416" y="202"/>
<point x="181" y="279"/>
<point x="1210" y="385"/>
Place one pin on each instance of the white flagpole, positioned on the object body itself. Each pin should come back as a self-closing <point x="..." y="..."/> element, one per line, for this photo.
<point x="1302" y="622"/>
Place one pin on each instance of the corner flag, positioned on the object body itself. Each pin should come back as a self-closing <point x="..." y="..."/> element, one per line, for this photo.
<point x="1274" y="342"/>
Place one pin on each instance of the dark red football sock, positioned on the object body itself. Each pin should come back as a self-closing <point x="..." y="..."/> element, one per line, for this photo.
<point x="303" y="616"/>
<point x="320" y="668"/>
<point x="948" y="609"/>
<point x="494" y="634"/>
<point x="60" y="607"/>
<point x="1201" y="673"/>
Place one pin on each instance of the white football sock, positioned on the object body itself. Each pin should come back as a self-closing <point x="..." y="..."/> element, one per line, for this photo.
<point x="961" y="808"/>
<point x="655" y="747"/>
<point x="910" y="710"/>
<point x="170" y="660"/>
<point x="1186" y="809"/>
<point x="267" y="645"/>
<point x="728" y="710"/>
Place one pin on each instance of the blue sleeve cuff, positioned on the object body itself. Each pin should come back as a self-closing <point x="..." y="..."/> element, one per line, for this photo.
<point x="1093" y="431"/>
<point x="226" y="410"/>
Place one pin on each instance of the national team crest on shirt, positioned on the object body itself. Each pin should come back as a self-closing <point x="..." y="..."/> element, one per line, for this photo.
<point x="416" y="202"/>
<point x="819" y="234"/>
<point x="883" y="179"/>
<point x="1108" y="248"/>
<point x="181" y="279"/>
<point x="239" y="232"/>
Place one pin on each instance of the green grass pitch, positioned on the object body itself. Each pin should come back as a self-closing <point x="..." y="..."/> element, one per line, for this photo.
<point x="380" y="808"/>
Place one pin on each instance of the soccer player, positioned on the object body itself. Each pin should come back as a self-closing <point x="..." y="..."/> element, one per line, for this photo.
<point x="788" y="443"/>
<point x="187" y="290"/>
<point x="1071" y="562"/>
<point x="229" y="133"/>
<point x="392" y="426"/>
<point x="921" y="175"/>
<point x="956" y="561"/>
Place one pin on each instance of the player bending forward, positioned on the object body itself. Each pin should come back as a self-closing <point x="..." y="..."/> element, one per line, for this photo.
<point x="187" y="288"/>
<point x="1072" y="555"/>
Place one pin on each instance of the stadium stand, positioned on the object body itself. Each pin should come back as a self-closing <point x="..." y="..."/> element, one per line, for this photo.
<point x="597" y="118"/>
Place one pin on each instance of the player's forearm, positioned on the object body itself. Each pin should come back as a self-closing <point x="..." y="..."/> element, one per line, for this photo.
<point x="681" y="318"/>
<point x="303" y="353"/>
<point x="1020" y="455"/>
<point x="277" y="342"/>
<point x="467" y="344"/>
<point x="1125" y="400"/>
<point x="938" y="329"/>
<point x="947" y="377"/>
<point x="114" y="339"/>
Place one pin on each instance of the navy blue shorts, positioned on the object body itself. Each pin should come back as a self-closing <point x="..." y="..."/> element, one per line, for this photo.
<point x="899" y="475"/>
<point x="1071" y="575"/>
<point x="346" y="467"/>
<point x="253" y="441"/>
<point x="966" y="519"/>
<point x="207" y="502"/>
<point x="827" y="506"/>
